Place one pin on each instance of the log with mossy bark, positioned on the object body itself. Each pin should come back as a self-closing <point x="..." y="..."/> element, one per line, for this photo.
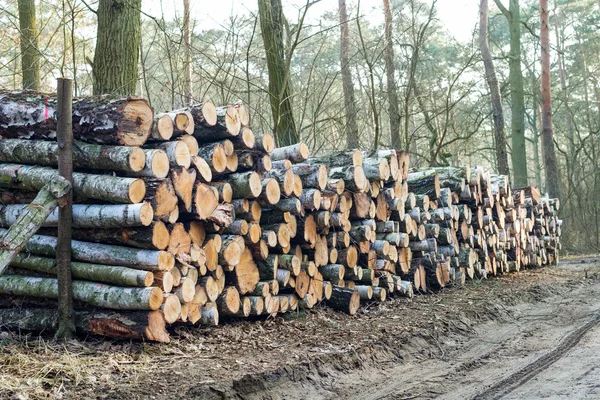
<point x="85" y="156"/>
<point x="149" y="260"/>
<point x="295" y="153"/>
<point x="339" y="159"/>
<point x="354" y="177"/>
<point x="285" y="178"/>
<point x="203" y="114"/>
<point x="424" y="182"/>
<point x="343" y="299"/>
<point x="109" y="274"/>
<point x="454" y="178"/>
<point x="102" y="120"/>
<point x="245" y="185"/>
<point x="136" y="325"/>
<point x="87" y="186"/>
<point x="312" y="176"/>
<point x="226" y="124"/>
<point x="96" y="294"/>
<point x="153" y="237"/>
<point x="103" y="216"/>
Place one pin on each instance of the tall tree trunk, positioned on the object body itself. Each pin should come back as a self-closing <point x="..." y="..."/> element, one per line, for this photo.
<point x="352" y="140"/>
<point x="517" y="95"/>
<point x="187" y="67"/>
<point x="115" y="68"/>
<point x="280" y="94"/>
<point x="563" y="84"/>
<point x="390" y="71"/>
<point x="536" y="122"/>
<point x="552" y="176"/>
<point x="30" y="56"/>
<point x="496" y="98"/>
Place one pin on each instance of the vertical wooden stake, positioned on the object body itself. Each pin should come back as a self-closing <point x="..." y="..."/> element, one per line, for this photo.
<point x="64" y="135"/>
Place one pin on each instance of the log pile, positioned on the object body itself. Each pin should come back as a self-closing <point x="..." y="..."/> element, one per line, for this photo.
<point x="188" y="217"/>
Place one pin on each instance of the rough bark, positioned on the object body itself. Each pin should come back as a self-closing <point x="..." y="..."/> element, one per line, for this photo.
<point x="352" y="138"/>
<point x="30" y="55"/>
<point x="104" y="216"/>
<point x="390" y="70"/>
<point x="187" y="51"/>
<point x="343" y="299"/>
<point x="96" y="294"/>
<point x="517" y="94"/>
<point x="85" y="186"/>
<point x="217" y="122"/>
<point x="103" y="254"/>
<point x="137" y="325"/>
<point x="85" y="156"/>
<point x="280" y="93"/>
<point x="115" y="67"/>
<point x="114" y="275"/>
<point x="550" y="162"/>
<point x="496" y="97"/>
<point x="101" y="120"/>
<point x="153" y="237"/>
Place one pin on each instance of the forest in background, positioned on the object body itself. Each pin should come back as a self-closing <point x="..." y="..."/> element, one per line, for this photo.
<point x="346" y="79"/>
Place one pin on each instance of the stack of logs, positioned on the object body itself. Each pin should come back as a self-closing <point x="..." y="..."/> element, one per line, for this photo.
<point x="188" y="217"/>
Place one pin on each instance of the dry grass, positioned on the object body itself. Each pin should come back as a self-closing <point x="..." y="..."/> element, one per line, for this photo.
<point x="38" y="368"/>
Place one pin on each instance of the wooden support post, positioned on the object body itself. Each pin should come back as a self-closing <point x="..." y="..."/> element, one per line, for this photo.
<point x="30" y="220"/>
<point x="64" y="135"/>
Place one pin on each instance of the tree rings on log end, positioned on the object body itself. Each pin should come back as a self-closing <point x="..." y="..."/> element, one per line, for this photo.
<point x="137" y="159"/>
<point x="134" y="127"/>
<point x="137" y="191"/>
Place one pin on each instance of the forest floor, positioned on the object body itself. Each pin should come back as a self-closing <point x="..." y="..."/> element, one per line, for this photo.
<point x="533" y="334"/>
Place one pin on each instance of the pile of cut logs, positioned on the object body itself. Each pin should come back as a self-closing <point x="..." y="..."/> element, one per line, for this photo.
<point x="188" y="217"/>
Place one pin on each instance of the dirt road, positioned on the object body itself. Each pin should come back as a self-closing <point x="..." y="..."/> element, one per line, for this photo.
<point x="530" y="335"/>
<point x="549" y="348"/>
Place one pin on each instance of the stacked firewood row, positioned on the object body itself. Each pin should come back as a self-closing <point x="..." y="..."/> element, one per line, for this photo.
<point x="188" y="217"/>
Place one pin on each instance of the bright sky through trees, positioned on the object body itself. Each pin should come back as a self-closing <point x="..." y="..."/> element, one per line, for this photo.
<point x="459" y="16"/>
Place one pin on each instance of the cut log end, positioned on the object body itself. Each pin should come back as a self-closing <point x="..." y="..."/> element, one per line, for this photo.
<point x="247" y="138"/>
<point x="163" y="128"/>
<point x="166" y="261"/>
<point x="159" y="165"/>
<point x="268" y="142"/>
<point x="137" y="159"/>
<point x="137" y="191"/>
<point x="205" y="201"/>
<point x="134" y="127"/>
<point x="171" y="307"/>
<point x="232" y="121"/>
<point x="209" y="111"/>
<point x="146" y="214"/>
<point x="272" y="192"/>
<point x="255" y="184"/>
<point x="219" y="159"/>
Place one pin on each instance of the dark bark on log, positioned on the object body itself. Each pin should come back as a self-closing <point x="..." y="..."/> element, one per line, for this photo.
<point x="137" y="325"/>
<point x="33" y="115"/>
